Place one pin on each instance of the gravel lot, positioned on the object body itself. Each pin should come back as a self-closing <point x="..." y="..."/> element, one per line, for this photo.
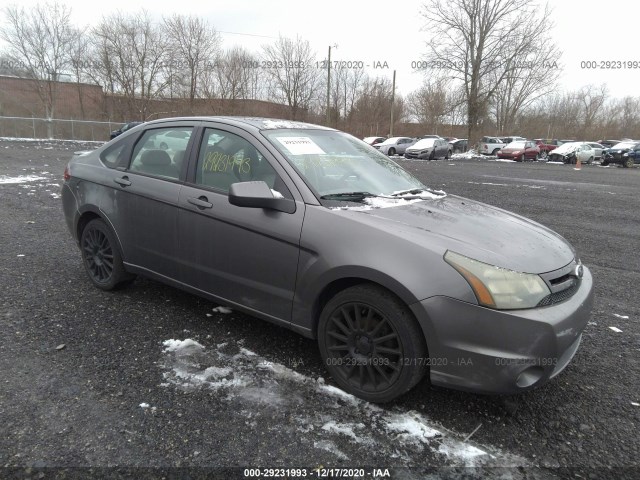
<point x="90" y="379"/>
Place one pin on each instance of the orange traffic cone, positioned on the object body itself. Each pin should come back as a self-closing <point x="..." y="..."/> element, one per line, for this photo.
<point x="578" y="165"/>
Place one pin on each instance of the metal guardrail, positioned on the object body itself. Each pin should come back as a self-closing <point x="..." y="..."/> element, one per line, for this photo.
<point x="65" y="129"/>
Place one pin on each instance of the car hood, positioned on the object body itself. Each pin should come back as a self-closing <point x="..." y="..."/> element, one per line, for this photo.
<point x="485" y="233"/>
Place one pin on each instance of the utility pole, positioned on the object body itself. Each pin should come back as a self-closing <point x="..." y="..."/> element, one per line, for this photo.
<point x="393" y="98"/>
<point x="328" y="85"/>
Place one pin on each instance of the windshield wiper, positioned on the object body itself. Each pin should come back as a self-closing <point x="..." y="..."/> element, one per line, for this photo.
<point x="349" y="195"/>
<point x="413" y="191"/>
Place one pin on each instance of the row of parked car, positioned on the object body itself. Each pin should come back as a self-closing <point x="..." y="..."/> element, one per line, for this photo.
<point x="427" y="147"/>
<point x="624" y="152"/>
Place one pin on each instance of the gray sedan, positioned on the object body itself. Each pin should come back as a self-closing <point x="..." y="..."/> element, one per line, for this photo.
<point x="312" y="229"/>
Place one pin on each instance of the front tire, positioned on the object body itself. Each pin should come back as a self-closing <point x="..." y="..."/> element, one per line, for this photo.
<point x="391" y="152"/>
<point x="101" y="256"/>
<point x="371" y="343"/>
<point x="628" y="163"/>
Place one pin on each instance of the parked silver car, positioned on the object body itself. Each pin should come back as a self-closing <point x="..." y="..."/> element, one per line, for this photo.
<point x="310" y="228"/>
<point x="395" y="145"/>
<point x="597" y="149"/>
<point x="429" y="149"/>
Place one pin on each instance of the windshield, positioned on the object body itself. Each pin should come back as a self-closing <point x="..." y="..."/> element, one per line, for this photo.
<point x="519" y="145"/>
<point x="334" y="162"/>
<point x="391" y="141"/>
<point x="424" y="143"/>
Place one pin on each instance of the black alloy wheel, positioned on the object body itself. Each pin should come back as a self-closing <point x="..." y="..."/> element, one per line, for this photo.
<point x="371" y="343"/>
<point x="101" y="256"/>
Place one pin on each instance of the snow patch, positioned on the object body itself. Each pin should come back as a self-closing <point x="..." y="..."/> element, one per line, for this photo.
<point x="616" y="329"/>
<point x="4" y="180"/>
<point x="328" y="416"/>
<point x="222" y="309"/>
<point x="624" y="317"/>
<point x="388" y="201"/>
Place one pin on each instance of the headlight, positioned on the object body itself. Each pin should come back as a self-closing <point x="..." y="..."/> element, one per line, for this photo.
<point x="497" y="287"/>
<point x="625" y="154"/>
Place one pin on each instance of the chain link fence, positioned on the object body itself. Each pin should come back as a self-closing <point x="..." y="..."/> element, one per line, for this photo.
<point x="29" y="127"/>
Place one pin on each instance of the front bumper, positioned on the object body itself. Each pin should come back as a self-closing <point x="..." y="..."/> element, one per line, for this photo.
<point x="418" y="155"/>
<point x="491" y="351"/>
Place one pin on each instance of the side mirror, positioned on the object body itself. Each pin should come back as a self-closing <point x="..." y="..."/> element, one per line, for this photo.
<point x="258" y="195"/>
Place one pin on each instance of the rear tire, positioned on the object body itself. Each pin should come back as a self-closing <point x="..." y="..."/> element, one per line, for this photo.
<point x="495" y="151"/>
<point x="604" y="163"/>
<point x="371" y="343"/>
<point x="391" y="152"/>
<point x="101" y="256"/>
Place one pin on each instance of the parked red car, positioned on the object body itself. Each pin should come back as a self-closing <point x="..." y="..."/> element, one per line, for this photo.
<point x="545" y="147"/>
<point x="520" y="151"/>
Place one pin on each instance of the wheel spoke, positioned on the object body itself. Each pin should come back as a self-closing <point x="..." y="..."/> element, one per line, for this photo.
<point x="378" y="327"/>
<point x="391" y="351"/>
<point x="358" y="317"/>
<point x="372" y="375"/>
<point x="339" y="348"/>
<point x="385" y="338"/>
<point x="337" y="336"/>
<point x="367" y="322"/>
<point x="337" y="322"/>
<point x="347" y="317"/>
<point x="381" y="372"/>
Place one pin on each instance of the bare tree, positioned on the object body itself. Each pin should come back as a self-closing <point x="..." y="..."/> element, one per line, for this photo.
<point x="235" y="71"/>
<point x="193" y="44"/>
<point x="39" y="40"/>
<point x="479" y="42"/>
<point x="290" y="69"/>
<point x="371" y="111"/>
<point x="133" y="55"/>
<point x="531" y="76"/>
<point x="80" y="53"/>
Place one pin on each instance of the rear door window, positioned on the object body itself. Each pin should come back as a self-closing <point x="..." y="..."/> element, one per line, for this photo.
<point x="160" y="152"/>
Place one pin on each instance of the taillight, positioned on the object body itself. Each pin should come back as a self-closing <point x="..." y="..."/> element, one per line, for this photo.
<point x="66" y="174"/>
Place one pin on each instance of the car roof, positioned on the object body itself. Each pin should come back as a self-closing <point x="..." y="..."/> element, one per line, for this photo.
<point x="258" y="123"/>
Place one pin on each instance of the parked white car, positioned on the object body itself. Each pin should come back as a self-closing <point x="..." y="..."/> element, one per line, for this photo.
<point x="491" y="145"/>
<point x="571" y="152"/>
<point x="597" y="149"/>
<point x="175" y="140"/>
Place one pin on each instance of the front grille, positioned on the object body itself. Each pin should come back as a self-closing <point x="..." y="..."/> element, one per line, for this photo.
<point x="560" y="296"/>
<point x="562" y="283"/>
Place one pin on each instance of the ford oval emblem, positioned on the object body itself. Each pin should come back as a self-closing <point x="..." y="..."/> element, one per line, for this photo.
<point x="578" y="271"/>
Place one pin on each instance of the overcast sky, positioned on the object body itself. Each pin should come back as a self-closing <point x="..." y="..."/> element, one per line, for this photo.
<point x="392" y="32"/>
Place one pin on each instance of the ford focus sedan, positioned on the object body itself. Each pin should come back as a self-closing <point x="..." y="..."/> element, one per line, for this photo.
<point x="312" y="229"/>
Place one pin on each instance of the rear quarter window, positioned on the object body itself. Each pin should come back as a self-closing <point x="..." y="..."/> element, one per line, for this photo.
<point x="113" y="155"/>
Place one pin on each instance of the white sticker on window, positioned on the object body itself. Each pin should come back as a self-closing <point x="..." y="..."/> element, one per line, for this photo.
<point x="300" y="145"/>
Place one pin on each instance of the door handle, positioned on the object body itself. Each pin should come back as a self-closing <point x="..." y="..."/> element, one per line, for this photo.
<point x="124" y="181"/>
<point x="200" y="202"/>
